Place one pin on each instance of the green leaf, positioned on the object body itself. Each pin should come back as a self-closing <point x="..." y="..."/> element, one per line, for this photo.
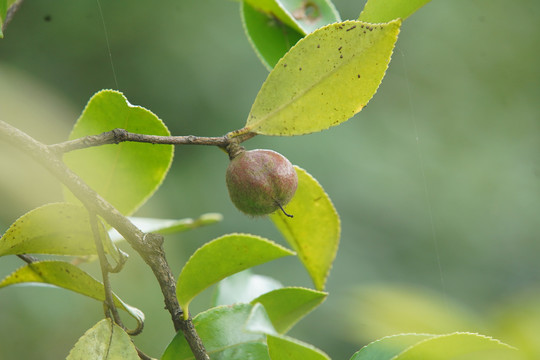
<point x="286" y="306"/>
<point x="104" y="341"/>
<point x="167" y="226"/>
<point x="243" y="287"/>
<point x="3" y="10"/>
<point x="269" y="37"/>
<point x="220" y="258"/>
<point x="222" y="331"/>
<point x="325" y="79"/>
<point x="315" y="229"/>
<point x="440" y="347"/>
<point x="64" y="275"/>
<point x="259" y="321"/>
<point x="125" y="174"/>
<point x="286" y="348"/>
<point x="59" y="228"/>
<point x="302" y="16"/>
<point x="274" y="26"/>
<point x="389" y="347"/>
<point x="379" y="11"/>
<point x="4" y="6"/>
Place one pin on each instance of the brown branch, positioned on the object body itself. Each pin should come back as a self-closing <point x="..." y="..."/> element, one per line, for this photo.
<point x="148" y="247"/>
<point x="116" y="136"/>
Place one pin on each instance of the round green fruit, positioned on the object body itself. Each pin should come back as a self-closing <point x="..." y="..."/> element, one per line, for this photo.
<point x="261" y="181"/>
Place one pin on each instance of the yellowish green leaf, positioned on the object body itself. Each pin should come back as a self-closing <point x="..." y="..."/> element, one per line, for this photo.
<point x="66" y="276"/>
<point x="286" y="348"/>
<point x="58" y="228"/>
<point x="325" y="79"/>
<point x="379" y="11"/>
<point x="286" y="306"/>
<point x="314" y="230"/>
<point x="125" y="174"/>
<point x="104" y="341"/>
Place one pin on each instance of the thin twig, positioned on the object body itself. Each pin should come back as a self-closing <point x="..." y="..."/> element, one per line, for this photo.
<point x="151" y="251"/>
<point x="104" y="265"/>
<point x="28" y="258"/>
<point x="142" y="355"/>
<point x="116" y="136"/>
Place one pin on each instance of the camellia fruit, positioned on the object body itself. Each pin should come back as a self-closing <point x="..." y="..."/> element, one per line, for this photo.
<point x="261" y="181"/>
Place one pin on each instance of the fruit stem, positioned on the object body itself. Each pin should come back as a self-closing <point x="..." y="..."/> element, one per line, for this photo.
<point x="234" y="149"/>
<point x="289" y="215"/>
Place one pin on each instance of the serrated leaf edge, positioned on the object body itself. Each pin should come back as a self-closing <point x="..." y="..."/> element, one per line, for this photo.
<point x="253" y="127"/>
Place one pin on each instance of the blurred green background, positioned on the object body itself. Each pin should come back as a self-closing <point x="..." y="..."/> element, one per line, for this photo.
<point x="437" y="181"/>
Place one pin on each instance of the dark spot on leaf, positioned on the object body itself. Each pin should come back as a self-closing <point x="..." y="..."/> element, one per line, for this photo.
<point x="318" y="46"/>
<point x="47" y="18"/>
<point x="358" y="76"/>
<point x="341" y="56"/>
<point x="340" y="48"/>
<point x="284" y="65"/>
<point x="300" y="69"/>
<point x="352" y="27"/>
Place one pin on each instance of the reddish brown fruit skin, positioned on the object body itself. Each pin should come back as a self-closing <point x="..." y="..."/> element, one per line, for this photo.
<point x="260" y="181"/>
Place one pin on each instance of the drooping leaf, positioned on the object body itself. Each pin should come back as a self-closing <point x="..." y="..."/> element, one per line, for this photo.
<point x="58" y="228"/>
<point x="379" y="11"/>
<point x="286" y="306"/>
<point x="168" y="226"/>
<point x="104" y="341"/>
<point x="286" y="348"/>
<point x="274" y="26"/>
<point x="125" y="174"/>
<point x="269" y="37"/>
<point x="325" y="79"/>
<point x="243" y="287"/>
<point x="220" y="258"/>
<point x="315" y="229"/>
<point x="440" y="347"/>
<point x="64" y="275"/>
<point x="222" y="331"/>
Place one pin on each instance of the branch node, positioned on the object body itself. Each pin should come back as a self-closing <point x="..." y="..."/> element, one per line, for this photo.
<point x="153" y="240"/>
<point x="120" y="135"/>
